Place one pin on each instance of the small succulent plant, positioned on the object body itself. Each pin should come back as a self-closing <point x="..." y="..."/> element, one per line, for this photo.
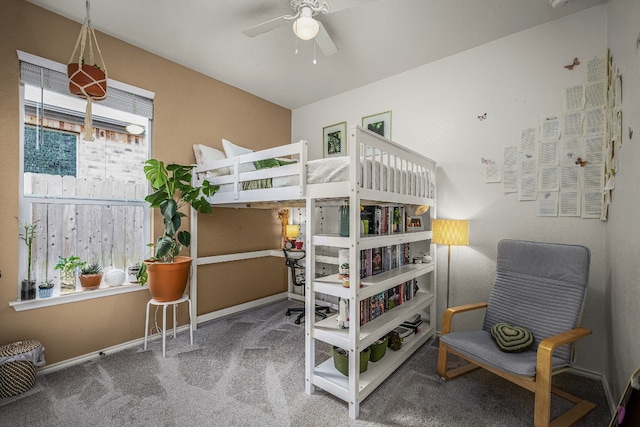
<point x="46" y="284"/>
<point x="91" y="268"/>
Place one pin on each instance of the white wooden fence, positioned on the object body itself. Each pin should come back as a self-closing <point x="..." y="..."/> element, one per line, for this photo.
<point x="109" y="229"/>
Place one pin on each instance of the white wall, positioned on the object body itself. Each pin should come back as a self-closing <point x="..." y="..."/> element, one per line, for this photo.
<point x="515" y="80"/>
<point x="623" y="273"/>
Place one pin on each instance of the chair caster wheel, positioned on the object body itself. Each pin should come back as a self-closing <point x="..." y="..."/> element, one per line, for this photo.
<point x="297" y="321"/>
<point x="288" y="313"/>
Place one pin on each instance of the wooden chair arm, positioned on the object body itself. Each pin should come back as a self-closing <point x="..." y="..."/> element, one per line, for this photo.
<point x="447" y="317"/>
<point x="547" y="345"/>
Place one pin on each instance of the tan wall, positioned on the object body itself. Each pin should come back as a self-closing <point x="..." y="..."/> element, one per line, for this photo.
<point x="190" y="108"/>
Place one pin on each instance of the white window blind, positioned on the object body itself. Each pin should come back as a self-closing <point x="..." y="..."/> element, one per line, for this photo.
<point x="52" y="76"/>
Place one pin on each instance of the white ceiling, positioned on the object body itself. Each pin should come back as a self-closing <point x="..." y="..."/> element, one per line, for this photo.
<point x="375" y="38"/>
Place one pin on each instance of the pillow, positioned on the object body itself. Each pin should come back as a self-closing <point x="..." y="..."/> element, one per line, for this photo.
<point x="283" y="162"/>
<point x="266" y="163"/>
<point x="233" y="150"/>
<point x="205" y="154"/>
<point x="273" y="163"/>
<point x="511" y="338"/>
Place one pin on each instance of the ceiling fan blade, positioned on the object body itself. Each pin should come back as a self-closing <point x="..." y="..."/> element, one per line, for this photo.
<point x="337" y="5"/>
<point x="326" y="45"/>
<point x="266" y="26"/>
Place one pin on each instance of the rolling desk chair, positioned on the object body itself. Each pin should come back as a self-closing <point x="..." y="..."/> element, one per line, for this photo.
<point x="293" y="260"/>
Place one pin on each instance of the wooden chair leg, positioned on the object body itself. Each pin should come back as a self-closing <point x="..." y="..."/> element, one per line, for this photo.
<point x="543" y="389"/>
<point x="443" y="361"/>
<point x="542" y="411"/>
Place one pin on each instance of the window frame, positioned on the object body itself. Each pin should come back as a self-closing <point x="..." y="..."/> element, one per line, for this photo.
<point x="25" y="202"/>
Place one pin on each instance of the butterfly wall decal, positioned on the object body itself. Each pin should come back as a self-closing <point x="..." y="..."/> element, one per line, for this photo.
<point x="487" y="161"/>
<point x="574" y="64"/>
<point x="482" y="117"/>
<point x="580" y="162"/>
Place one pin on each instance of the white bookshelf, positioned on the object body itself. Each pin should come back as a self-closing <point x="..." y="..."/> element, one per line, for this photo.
<point x="357" y="386"/>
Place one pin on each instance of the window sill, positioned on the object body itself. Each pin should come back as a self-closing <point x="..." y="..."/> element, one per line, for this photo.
<point x="79" y="295"/>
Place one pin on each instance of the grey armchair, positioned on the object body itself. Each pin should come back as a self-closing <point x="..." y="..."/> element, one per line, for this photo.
<point x="540" y="287"/>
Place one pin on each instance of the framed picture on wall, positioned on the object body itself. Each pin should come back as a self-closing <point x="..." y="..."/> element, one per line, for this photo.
<point x="379" y="123"/>
<point x="334" y="140"/>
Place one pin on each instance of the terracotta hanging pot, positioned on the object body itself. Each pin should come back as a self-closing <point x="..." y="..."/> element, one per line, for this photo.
<point x="167" y="281"/>
<point x="87" y="80"/>
<point x="87" y="73"/>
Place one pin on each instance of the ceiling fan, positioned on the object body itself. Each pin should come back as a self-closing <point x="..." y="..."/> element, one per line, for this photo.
<point x="304" y="24"/>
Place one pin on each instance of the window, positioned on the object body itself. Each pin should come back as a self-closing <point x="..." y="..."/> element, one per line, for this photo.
<point x="86" y="197"/>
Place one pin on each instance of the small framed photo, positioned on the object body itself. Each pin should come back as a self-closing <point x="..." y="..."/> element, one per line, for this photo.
<point x="379" y="123"/>
<point x="334" y="140"/>
<point x="414" y="223"/>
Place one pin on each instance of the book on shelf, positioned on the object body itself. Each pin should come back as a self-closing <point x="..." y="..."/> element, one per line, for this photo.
<point x="380" y="259"/>
<point x="377" y="305"/>
<point x="376" y="261"/>
<point x="384" y="219"/>
<point x="405" y="333"/>
<point x="413" y="323"/>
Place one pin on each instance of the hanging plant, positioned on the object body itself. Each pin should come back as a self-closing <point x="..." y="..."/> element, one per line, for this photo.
<point x="87" y="75"/>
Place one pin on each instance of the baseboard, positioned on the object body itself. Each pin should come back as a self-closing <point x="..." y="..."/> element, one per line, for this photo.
<point x="101" y="353"/>
<point x="140" y="341"/>
<point x="241" y="307"/>
<point x="599" y="377"/>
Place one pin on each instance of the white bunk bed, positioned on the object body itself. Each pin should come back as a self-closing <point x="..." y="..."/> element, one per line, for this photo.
<point x="376" y="171"/>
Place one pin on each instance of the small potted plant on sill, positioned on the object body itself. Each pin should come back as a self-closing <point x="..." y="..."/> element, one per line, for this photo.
<point x="28" y="235"/>
<point x="167" y="273"/>
<point x="68" y="268"/>
<point x="45" y="288"/>
<point x="91" y="276"/>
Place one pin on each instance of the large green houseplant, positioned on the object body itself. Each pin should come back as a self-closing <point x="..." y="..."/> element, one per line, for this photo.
<point x="172" y="189"/>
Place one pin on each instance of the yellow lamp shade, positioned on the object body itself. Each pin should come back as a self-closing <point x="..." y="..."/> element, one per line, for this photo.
<point x="450" y="232"/>
<point x="292" y="231"/>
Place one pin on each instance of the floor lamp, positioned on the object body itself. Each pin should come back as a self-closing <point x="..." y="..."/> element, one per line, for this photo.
<point x="450" y="232"/>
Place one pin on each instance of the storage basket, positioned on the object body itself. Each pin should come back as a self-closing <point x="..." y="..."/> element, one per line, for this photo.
<point x="18" y="372"/>
<point x="378" y="349"/>
<point x="341" y="360"/>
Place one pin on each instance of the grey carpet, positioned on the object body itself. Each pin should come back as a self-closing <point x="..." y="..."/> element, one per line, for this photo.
<point x="248" y="370"/>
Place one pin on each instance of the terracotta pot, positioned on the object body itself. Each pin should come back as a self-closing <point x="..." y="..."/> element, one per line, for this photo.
<point x="90" y="281"/>
<point x="91" y="79"/>
<point x="167" y="281"/>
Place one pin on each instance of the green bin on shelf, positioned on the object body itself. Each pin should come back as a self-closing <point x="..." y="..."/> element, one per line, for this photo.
<point x="378" y="349"/>
<point x="341" y="360"/>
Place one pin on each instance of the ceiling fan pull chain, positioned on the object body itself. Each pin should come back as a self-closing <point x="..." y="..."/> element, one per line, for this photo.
<point x="296" y="51"/>
<point x="314" y="54"/>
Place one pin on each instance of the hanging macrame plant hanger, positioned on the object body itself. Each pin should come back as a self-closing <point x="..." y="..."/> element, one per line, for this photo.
<point x="87" y="77"/>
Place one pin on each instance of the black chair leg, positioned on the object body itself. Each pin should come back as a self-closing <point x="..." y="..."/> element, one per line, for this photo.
<point x="322" y="311"/>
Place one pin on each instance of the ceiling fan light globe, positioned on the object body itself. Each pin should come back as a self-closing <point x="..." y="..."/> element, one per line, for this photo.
<point x="306" y="27"/>
<point x="134" y="129"/>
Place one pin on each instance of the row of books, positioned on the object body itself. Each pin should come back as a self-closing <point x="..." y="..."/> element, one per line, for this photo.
<point x="377" y="305"/>
<point x="383" y="219"/>
<point x="378" y="260"/>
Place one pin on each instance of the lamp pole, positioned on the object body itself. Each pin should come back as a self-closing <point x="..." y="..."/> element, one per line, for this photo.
<point x="448" y="272"/>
